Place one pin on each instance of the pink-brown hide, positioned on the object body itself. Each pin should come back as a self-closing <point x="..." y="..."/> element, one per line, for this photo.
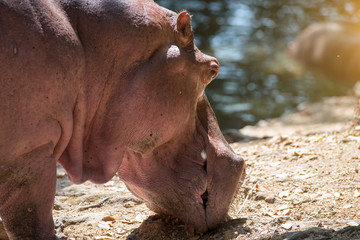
<point x="330" y="48"/>
<point x="103" y="87"/>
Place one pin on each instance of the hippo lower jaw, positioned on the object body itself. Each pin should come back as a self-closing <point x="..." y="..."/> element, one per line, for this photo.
<point x="206" y="205"/>
<point x="207" y="209"/>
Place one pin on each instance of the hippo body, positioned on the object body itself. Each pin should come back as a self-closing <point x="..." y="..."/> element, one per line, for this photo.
<point x="330" y="48"/>
<point x="103" y="87"/>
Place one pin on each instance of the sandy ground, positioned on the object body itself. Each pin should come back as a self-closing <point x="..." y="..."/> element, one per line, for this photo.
<point x="302" y="183"/>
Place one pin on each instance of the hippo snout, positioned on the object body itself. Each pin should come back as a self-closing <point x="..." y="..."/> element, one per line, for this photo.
<point x="193" y="177"/>
<point x="223" y="180"/>
<point x="211" y="67"/>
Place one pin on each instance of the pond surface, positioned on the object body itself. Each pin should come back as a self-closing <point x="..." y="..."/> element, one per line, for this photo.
<point x="249" y="38"/>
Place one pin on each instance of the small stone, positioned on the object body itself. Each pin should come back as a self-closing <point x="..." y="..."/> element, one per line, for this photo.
<point x="270" y="199"/>
<point x="283" y="207"/>
<point x="108" y="219"/>
<point x="356" y="194"/>
<point x="140" y="218"/>
<point x="286" y="212"/>
<point x="354" y="224"/>
<point x="104" y="225"/>
<point x="286" y="226"/>
<point x="284" y="194"/>
<point x="60" y="173"/>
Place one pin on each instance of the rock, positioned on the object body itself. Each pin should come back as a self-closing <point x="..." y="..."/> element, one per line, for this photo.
<point x="104" y="225"/>
<point x="140" y="217"/>
<point x="270" y="199"/>
<point x="286" y="226"/>
<point x="108" y="219"/>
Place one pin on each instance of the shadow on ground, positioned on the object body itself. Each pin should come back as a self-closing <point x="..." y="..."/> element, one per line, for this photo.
<point x="161" y="228"/>
<point x="347" y="233"/>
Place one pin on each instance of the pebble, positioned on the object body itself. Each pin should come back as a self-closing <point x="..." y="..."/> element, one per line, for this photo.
<point x="284" y="194"/>
<point x="140" y="218"/>
<point x="109" y="184"/>
<point x="108" y="219"/>
<point x="104" y="225"/>
<point x="286" y="226"/>
<point x="270" y="199"/>
<point x="353" y="224"/>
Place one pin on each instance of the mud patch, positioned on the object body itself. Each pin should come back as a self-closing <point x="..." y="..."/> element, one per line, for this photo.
<point x="147" y="143"/>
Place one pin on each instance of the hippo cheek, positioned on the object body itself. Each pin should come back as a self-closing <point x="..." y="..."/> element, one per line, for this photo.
<point x="172" y="187"/>
<point x="183" y="199"/>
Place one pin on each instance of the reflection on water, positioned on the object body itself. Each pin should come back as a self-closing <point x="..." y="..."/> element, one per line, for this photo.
<point x="249" y="38"/>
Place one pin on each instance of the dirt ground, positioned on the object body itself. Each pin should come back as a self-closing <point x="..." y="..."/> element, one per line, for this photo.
<point x="302" y="183"/>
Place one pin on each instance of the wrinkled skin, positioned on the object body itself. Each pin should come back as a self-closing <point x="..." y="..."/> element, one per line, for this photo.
<point x="330" y="48"/>
<point x="103" y="87"/>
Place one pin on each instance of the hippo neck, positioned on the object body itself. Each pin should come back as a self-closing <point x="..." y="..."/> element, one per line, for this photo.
<point x="117" y="37"/>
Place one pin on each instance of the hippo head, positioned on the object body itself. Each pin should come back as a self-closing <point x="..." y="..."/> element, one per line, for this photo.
<point x="179" y="162"/>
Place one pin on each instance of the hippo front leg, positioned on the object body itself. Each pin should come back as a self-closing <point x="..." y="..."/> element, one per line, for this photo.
<point x="27" y="190"/>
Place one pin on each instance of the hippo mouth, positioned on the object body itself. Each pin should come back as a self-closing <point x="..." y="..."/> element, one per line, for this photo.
<point x="224" y="169"/>
<point x="194" y="179"/>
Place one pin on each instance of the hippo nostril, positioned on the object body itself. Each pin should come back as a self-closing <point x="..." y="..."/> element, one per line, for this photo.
<point x="213" y="74"/>
<point x="214" y="69"/>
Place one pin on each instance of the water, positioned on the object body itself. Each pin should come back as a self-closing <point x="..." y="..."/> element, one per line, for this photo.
<point x="249" y="38"/>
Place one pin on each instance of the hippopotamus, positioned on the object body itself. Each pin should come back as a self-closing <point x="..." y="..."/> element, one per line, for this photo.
<point x="330" y="48"/>
<point x="106" y="87"/>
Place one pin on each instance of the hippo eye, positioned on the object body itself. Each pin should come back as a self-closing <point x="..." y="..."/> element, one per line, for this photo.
<point x="190" y="48"/>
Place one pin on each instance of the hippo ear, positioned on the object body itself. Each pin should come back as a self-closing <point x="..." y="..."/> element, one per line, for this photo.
<point x="184" y="32"/>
